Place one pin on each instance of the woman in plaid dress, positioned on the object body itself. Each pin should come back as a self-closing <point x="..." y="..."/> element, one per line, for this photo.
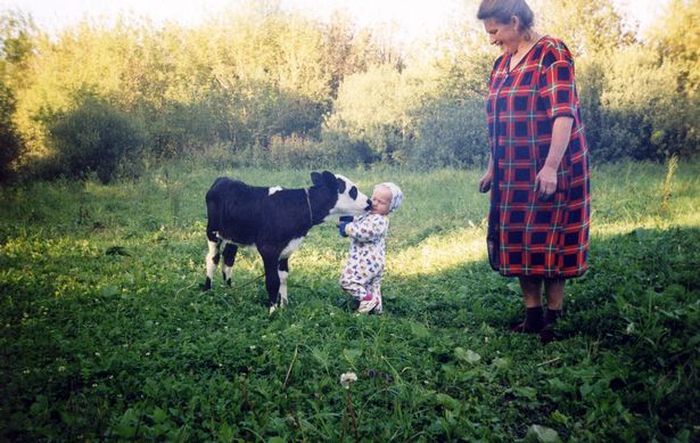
<point x="538" y="166"/>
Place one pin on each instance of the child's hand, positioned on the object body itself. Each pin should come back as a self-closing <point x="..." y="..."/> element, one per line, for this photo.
<point x="341" y="228"/>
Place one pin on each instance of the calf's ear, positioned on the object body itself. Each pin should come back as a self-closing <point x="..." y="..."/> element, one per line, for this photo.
<point x="330" y="180"/>
<point x="316" y="179"/>
<point x="341" y="185"/>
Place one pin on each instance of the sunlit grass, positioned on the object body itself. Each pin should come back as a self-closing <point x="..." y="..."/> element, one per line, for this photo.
<point x="105" y="334"/>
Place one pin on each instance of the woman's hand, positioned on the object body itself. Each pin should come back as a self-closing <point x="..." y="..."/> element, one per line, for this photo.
<point x="546" y="182"/>
<point x="485" y="181"/>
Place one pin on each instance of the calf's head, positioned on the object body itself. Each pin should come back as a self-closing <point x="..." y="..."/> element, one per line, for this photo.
<point x="348" y="198"/>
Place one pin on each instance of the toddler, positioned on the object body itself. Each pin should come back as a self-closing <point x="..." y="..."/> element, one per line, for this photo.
<point x="362" y="275"/>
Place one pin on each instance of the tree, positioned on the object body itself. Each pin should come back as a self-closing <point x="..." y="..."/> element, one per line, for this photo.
<point x="17" y="33"/>
<point x="588" y="27"/>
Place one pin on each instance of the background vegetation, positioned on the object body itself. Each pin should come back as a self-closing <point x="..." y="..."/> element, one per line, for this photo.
<point x="105" y="335"/>
<point x="259" y="86"/>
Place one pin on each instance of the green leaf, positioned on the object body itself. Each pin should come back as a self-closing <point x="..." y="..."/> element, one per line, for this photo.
<point x="526" y="392"/>
<point x="159" y="415"/>
<point x="351" y="355"/>
<point x="447" y="402"/>
<point x="419" y="330"/>
<point x="501" y="363"/>
<point x="541" y="434"/>
<point x="469" y="356"/>
<point x="109" y="291"/>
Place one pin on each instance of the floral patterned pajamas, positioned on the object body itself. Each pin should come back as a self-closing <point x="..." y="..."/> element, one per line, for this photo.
<point x="365" y="266"/>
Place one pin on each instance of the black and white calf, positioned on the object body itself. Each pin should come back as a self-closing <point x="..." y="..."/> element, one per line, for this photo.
<point x="275" y="220"/>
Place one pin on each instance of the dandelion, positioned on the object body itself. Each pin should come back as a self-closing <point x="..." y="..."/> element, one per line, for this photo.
<point x="348" y="378"/>
<point x="61" y="368"/>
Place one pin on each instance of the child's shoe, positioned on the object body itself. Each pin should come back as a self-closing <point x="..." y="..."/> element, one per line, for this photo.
<point x="368" y="303"/>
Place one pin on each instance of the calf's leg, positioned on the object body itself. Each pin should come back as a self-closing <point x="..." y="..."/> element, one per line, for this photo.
<point x="283" y="272"/>
<point x="272" y="278"/>
<point x="229" y="258"/>
<point x="212" y="261"/>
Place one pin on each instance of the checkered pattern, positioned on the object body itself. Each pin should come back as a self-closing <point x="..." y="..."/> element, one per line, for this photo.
<point x="528" y="236"/>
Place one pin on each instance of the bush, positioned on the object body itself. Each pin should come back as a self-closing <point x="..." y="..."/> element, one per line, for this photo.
<point x="372" y="107"/>
<point x="95" y="137"/>
<point x="332" y="150"/>
<point x="632" y="108"/>
<point x="450" y="133"/>
<point x="9" y="139"/>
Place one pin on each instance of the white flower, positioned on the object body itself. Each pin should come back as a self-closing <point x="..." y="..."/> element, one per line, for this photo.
<point x="347" y="379"/>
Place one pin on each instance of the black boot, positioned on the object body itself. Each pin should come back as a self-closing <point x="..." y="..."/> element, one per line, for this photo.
<point x="533" y="321"/>
<point x="550" y="319"/>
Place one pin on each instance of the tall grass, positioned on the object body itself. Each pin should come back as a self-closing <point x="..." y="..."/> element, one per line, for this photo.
<point x="104" y="333"/>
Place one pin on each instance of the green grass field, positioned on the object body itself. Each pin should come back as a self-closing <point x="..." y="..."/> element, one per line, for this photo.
<point x="105" y="334"/>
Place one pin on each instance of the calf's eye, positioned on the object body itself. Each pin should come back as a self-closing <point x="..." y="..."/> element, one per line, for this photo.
<point x="353" y="193"/>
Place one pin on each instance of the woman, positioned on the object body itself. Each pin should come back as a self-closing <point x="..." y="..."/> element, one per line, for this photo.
<point x="538" y="165"/>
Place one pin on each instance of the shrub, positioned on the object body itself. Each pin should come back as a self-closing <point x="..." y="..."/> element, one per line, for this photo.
<point x="450" y="133"/>
<point x="332" y="150"/>
<point x="95" y="137"/>
<point x="9" y="139"/>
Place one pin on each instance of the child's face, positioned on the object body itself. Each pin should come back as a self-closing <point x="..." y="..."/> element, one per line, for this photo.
<point x="381" y="200"/>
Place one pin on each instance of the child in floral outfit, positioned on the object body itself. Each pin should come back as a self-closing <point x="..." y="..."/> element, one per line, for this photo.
<point x="362" y="275"/>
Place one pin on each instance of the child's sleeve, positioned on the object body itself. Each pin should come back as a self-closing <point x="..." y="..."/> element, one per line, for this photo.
<point x="368" y="229"/>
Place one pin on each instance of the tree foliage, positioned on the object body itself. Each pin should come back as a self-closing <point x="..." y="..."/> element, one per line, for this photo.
<point x="262" y="85"/>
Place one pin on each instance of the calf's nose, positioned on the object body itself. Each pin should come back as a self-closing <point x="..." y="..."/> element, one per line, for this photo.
<point x="369" y="205"/>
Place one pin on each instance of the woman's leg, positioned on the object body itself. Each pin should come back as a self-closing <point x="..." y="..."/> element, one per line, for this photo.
<point x="554" y="291"/>
<point x="532" y="291"/>
<point x="532" y="298"/>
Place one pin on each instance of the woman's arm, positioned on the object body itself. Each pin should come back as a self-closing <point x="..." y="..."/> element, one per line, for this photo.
<point x="546" y="181"/>
<point x="487" y="178"/>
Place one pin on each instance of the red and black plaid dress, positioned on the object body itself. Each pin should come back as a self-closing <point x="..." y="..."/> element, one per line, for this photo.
<point x="528" y="236"/>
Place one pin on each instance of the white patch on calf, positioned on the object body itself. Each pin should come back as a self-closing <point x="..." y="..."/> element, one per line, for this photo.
<point x="283" y="288"/>
<point x="347" y="205"/>
<point x="274" y="189"/>
<point x="292" y="246"/>
<point x="227" y="270"/>
<point x="211" y="266"/>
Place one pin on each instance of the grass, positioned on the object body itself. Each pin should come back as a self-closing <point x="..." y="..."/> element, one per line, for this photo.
<point x="104" y="333"/>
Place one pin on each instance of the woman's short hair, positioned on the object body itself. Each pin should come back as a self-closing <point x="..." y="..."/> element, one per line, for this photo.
<point x="503" y="10"/>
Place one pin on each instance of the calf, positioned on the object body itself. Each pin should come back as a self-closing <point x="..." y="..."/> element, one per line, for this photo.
<point x="275" y="220"/>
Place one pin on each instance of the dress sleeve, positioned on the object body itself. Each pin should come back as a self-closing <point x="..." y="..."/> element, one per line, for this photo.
<point x="557" y="90"/>
<point x="367" y="229"/>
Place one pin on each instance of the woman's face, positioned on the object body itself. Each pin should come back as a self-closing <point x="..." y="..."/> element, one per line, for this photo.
<point x="503" y="35"/>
